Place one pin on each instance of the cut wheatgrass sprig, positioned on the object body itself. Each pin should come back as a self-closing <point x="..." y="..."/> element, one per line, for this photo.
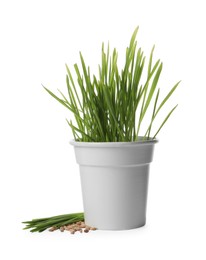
<point x="41" y="224"/>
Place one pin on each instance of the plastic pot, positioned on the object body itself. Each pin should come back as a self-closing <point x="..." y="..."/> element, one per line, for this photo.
<point x="114" y="181"/>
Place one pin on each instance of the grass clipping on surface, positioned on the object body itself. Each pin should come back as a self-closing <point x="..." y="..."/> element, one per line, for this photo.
<point x="111" y="106"/>
<point x="56" y="222"/>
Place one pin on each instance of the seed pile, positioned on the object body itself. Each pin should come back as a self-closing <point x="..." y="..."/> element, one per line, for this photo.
<point x="79" y="226"/>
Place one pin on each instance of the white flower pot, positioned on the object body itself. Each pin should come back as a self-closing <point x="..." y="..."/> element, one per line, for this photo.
<point x="114" y="180"/>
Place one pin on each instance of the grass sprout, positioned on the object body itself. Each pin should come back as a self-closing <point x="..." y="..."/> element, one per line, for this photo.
<point x="111" y="106"/>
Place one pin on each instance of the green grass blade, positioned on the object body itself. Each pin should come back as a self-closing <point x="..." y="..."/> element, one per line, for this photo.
<point x="167" y="97"/>
<point x="72" y="81"/>
<point x="151" y="92"/>
<point x="153" y="113"/>
<point x="57" y="98"/>
<point x="150" y="61"/>
<point x="165" y="120"/>
<point x="133" y="38"/>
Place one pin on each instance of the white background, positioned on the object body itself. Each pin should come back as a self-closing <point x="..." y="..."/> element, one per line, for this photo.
<point x="39" y="176"/>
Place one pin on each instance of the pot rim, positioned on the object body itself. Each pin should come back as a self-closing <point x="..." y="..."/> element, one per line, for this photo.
<point x="114" y="144"/>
